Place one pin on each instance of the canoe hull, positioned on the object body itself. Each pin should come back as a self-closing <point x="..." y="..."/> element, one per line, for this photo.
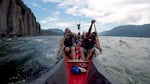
<point x="95" y="77"/>
<point x="58" y="75"/>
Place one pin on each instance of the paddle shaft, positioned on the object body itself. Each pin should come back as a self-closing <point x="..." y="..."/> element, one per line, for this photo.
<point x="97" y="38"/>
<point x="78" y="28"/>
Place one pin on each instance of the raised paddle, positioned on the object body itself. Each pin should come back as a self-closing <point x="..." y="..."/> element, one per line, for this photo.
<point x="78" y="26"/>
<point x="97" y="36"/>
<point x="89" y="31"/>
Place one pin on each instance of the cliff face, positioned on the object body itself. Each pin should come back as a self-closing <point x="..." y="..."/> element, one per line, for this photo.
<point x="17" y="19"/>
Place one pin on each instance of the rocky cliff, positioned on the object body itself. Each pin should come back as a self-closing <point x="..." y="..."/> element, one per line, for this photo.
<point x="17" y="19"/>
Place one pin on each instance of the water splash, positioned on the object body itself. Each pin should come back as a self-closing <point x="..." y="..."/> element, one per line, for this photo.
<point x="25" y="59"/>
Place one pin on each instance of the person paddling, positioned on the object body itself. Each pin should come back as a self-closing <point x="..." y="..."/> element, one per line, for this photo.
<point x="89" y="42"/>
<point x="68" y="43"/>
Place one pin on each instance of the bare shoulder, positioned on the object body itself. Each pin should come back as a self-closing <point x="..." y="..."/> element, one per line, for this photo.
<point x="62" y="39"/>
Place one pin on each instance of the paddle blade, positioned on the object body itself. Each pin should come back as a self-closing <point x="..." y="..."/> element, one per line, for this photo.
<point x="93" y="21"/>
<point x="78" y="26"/>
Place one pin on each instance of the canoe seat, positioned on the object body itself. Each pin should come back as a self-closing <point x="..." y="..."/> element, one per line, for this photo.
<point x="71" y="60"/>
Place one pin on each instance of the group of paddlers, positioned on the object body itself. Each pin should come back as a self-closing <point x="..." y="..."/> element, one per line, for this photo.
<point x="78" y="46"/>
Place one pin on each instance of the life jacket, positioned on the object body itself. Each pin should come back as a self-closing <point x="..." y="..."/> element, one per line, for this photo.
<point x="78" y="42"/>
<point x="68" y="41"/>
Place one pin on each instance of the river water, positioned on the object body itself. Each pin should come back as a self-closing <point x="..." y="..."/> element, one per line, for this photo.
<point x="27" y="58"/>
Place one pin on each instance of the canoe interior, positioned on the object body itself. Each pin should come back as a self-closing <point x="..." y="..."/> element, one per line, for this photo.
<point x="76" y="78"/>
<point x="61" y="74"/>
<point x="78" y="61"/>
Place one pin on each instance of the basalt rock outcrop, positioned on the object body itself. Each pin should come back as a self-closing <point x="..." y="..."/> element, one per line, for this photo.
<point x="16" y="19"/>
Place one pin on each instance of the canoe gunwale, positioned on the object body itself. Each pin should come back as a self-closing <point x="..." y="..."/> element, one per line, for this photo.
<point x="51" y="77"/>
<point x="59" y="70"/>
<point x="101" y="70"/>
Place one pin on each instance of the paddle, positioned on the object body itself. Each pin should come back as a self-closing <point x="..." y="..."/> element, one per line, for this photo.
<point x="78" y="26"/>
<point x="97" y="36"/>
<point x="89" y="31"/>
<point x="61" y="46"/>
<point x="60" y="50"/>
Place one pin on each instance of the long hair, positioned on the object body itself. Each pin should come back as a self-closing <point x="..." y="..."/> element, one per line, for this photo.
<point x="67" y="31"/>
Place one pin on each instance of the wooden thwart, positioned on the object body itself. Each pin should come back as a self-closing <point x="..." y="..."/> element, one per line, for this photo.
<point x="71" y="60"/>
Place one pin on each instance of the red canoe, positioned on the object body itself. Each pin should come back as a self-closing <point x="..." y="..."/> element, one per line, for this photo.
<point x="76" y="78"/>
<point x="61" y="74"/>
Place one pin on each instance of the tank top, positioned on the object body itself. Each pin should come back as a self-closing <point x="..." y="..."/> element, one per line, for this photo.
<point x="89" y="43"/>
<point x="68" y="41"/>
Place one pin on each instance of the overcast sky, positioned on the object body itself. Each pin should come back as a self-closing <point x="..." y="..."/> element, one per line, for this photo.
<point x="108" y="13"/>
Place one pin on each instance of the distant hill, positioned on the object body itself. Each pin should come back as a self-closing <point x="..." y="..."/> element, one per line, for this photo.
<point x="52" y="32"/>
<point x="129" y="30"/>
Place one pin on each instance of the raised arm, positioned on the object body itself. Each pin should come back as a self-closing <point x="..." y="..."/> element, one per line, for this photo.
<point x="92" y="22"/>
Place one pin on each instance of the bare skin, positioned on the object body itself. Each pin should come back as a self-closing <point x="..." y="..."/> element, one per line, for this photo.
<point x="82" y="53"/>
<point x="97" y="44"/>
<point x="67" y="49"/>
<point x="91" y="51"/>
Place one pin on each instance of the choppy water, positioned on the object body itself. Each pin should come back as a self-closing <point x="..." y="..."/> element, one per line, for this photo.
<point x="126" y="59"/>
<point x="25" y="59"/>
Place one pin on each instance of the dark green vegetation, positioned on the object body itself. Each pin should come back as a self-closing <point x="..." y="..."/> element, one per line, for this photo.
<point x="129" y="30"/>
<point x="52" y="32"/>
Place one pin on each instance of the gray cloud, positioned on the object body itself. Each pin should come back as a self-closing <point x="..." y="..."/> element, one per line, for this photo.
<point x="114" y="12"/>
